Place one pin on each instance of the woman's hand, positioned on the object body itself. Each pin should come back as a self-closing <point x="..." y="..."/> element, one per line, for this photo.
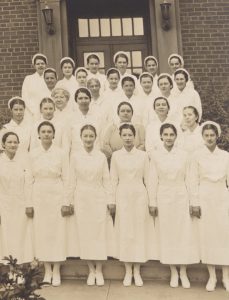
<point x="29" y="211"/>
<point x="153" y="211"/>
<point x="67" y="210"/>
<point x="195" y="211"/>
<point x="112" y="209"/>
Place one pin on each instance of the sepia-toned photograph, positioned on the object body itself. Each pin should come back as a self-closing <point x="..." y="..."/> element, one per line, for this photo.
<point x="114" y="149"/>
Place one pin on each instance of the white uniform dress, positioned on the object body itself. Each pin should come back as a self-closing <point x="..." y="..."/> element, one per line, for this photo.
<point x="91" y="189"/>
<point x="177" y="236"/>
<point x="34" y="89"/>
<point x="190" y="141"/>
<point x="15" y="196"/>
<point x="134" y="227"/>
<point x="50" y="172"/>
<point x="209" y="172"/>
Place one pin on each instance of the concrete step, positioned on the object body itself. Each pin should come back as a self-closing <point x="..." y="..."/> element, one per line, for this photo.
<point x="114" y="269"/>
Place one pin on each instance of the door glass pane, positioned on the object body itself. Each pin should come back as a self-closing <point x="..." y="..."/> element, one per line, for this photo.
<point x="105" y="27"/>
<point x="127" y="26"/>
<point x="94" y="27"/>
<point x="116" y="27"/>
<point x="83" y="27"/>
<point x="100" y="55"/>
<point x="138" y="26"/>
<point x="136" y="58"/>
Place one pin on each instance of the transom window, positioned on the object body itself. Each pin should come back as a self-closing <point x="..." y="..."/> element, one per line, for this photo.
<point x="106" y="27"/>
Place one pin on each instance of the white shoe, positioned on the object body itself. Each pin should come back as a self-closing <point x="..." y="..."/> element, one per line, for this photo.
<point x="174" y="281"/>
<point x="226" y="285"/>
<point x="56" y="281"/>
<point x="91" y="278"/>
<point x="99" y="278"/>
<point x="211" y="285"/>
<point x="185" y="281"/>
<point x="127" y="279"/>
<point x="137" y="279"/>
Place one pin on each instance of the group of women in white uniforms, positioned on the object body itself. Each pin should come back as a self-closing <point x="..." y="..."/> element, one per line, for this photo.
<point x="96" y="166"/>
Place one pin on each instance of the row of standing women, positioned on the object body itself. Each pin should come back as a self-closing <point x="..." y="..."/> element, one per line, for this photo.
<point x="148" y="203"/>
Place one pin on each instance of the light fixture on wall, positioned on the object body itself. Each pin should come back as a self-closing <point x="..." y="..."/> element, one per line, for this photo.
<point x="165" y="14"/>
<point x="48" y="16"/>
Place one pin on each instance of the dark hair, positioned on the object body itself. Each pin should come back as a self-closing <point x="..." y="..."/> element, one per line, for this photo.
<point x="127" y="126"/>
<point x="146" y="76"/>
<point x="150" y="58"/>
<point x="82" y="90"/>
<point x="16" y="101"/>
<point x="158" y="98"/>
<point x="46" y="123"/>
<point x="175" y="56"/>
<point x="127" y="78"/>
<point x="167" y="77"/>
<point x="81" y="70"/>
<point x="113" y="71"/>
<point x="5" y="136"/>
<point x="40" y="57"/>
<point x="49" y="70"/>
<point x="67" y="61"/>
<point x="88" y="127"/>
<point x="124" y="103"/>
<point x="92" y="56"/>
<point x="212" y="127"/>
<point x="181" y="72"/>
<point x="121" y="55"/>
<point x="166" y="126"/>
<point x="195" y="111"/>
<point x="46" y="100"/>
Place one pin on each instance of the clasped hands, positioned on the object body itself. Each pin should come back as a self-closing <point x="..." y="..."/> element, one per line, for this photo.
<point x="153" y="211"/>
<point x="195" y="211"/>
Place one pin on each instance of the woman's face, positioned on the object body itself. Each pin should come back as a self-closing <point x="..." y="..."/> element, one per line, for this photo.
<point x="161" y="107"/>
<point x="151" y="67"/>
<point x="189" y="117"/>
<point x="39" y="66"/>
<point x="127" y="137"/>
<point x="60" y="100"/>
<point x="113" y="80"/>
<point x="50" y="80"/>
<point x="67" y="70"/>
<point x="94" y="88"/>
<point x="93" y="65"/>
<point x="168" y="137"/>
<point x="180" y="81"/>
<point x="128" y="88"/>
<point x="164" y="85"/>
<point x="47" y="111"/>
<point x="11" y="145"/>
<point x="174" y="64"/>
<point x="147" y="84"/>
<point x="121" y="65"/>
<point x="18" y="112"/>
<point x="46" y="134"/>
<point x="125" y="113"/>
<point x="81" y="78"/>
<point x="210" y="138"/>
<point x="83" y="100"/>
<point x="88" y="138"/>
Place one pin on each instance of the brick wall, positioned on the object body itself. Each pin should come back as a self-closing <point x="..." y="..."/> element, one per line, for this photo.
<point x="205" y="37"/>
<point x="18" y="43"/>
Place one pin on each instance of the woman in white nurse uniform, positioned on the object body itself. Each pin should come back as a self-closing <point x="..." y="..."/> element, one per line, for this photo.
<point x="209" y="177"/>
<point x="151" y="66"/>
<point x="50" y="77"/>
<point x="134" y="227"/>
<point x="169" y="183"/>
<point x="15" y="200"/>
<point x="50" y="172"/>
<point x="34" y="87"/>
<point x="90" y="192"/>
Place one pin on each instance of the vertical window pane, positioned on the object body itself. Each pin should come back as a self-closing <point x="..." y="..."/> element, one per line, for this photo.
<point x="136" y="58"/>
<point x="83" y="27"/>
<point x="94" y="27"/>
<point x="127" y="26"/>
<point x="105" y="27"/>
<point x="116" y="27"/>
<point x="138" y="26"/>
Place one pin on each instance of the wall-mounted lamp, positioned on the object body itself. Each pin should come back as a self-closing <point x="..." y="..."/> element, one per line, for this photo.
<point x="165" y="14"/>
<point x="48" y="16"/>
